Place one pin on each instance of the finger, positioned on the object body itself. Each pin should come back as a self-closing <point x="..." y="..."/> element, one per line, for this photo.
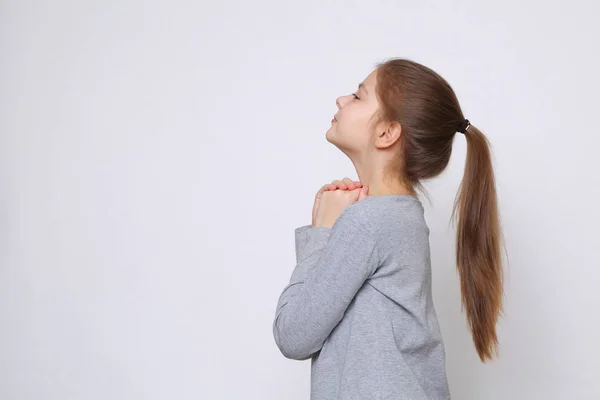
<point x="339" y="184"/>
<point x="350" y="183"/>
<point x="323" y="188"/>
<point x="364" y="192"/>
<point x="357" y="184"/>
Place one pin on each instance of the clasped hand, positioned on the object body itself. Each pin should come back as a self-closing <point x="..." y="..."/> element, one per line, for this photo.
<point x="333" y="198"/>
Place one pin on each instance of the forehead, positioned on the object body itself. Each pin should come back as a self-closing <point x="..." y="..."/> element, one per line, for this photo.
<point x="371" y="80"/>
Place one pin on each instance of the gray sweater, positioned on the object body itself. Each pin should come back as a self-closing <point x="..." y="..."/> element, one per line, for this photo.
<point x="359" y="304"/>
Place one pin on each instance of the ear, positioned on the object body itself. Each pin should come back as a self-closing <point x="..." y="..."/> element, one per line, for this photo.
<point x="389" y="134"/>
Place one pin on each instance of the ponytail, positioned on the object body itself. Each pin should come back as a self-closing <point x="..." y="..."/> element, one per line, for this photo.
<point x="478" y="245"/>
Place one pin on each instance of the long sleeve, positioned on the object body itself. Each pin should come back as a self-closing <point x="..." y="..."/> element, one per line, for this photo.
<point x="332" y="265"/>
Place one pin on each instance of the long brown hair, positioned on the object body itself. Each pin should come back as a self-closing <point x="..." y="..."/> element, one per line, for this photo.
<point x="428" y="111"/>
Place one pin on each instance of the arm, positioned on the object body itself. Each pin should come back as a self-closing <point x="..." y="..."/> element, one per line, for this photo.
<point x="332" y="266"/>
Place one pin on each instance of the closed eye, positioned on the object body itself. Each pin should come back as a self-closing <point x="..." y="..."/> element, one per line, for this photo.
<point x="355" y="96"/>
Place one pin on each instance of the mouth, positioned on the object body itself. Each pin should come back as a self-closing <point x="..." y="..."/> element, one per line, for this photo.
<point x="334" y="120"/>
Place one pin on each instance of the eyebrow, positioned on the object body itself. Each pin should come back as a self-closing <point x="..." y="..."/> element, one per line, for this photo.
<point x="361" y="85"/>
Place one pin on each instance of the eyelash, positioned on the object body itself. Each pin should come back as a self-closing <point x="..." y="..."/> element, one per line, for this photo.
<point x="355" y="96"/>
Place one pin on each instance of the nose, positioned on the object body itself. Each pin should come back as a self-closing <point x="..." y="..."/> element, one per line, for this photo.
<point x="341" y="101"/>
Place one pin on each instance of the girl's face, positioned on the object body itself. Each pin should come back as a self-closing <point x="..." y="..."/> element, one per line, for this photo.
<point x="351" y="129"/>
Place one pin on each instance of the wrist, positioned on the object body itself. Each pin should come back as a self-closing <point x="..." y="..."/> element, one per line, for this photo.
<point x="322" y="224"/>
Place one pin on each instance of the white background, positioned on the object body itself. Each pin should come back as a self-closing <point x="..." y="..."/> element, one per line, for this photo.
<point x="155" y="158"/>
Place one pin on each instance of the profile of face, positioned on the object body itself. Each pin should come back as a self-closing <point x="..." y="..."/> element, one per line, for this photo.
<point x="351" y="129"/>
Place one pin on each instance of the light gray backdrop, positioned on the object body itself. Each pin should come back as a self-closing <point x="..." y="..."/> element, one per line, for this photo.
<point x="155" y="158"/>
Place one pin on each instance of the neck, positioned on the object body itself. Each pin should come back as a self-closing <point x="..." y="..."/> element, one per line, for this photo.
<point x="380" y="185"/>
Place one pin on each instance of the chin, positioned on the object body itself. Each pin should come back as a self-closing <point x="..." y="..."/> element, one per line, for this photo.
<point x="333" y="137"/>
<point x="328" y="135"/>
<point x="336" y="143"/>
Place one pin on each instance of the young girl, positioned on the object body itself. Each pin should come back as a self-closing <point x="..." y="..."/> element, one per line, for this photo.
<point x="359" y="301"/>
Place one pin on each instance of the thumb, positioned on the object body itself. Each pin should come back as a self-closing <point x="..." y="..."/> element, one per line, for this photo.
<point x="364" y="191"/>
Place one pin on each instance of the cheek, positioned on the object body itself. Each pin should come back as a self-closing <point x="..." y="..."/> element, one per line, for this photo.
<point x="352" y="115"/>
<point x="354" y="133"/>
<point x="356" y="123"/>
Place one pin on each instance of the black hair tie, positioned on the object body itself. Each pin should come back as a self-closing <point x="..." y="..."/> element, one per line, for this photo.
<point x="465" y="125"/>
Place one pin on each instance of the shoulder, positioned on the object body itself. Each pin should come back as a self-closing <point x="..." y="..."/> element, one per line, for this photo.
<point x="385" y="212"/>
<point x="359" y="214"/>
<point x="361" y="208"/>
